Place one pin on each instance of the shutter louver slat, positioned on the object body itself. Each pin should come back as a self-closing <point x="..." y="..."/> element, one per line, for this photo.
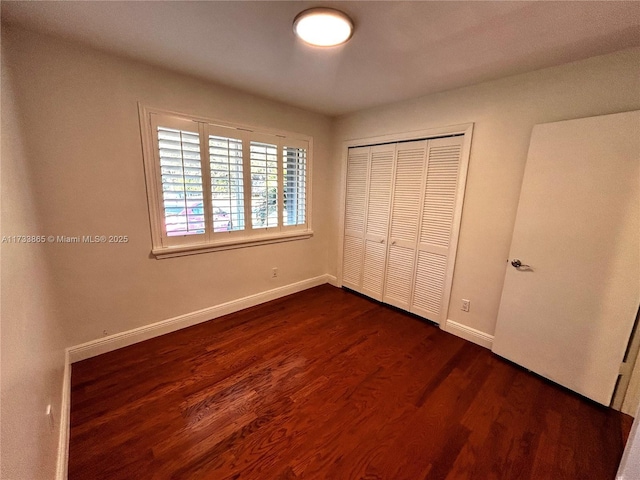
<point x="227" y="190"/>
<point x="294" y="175"/>
<point x="264" y="184"/>
<point x="181" y="179"/>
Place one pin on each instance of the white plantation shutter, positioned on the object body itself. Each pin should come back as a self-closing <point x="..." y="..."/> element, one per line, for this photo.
<point x="181" y="181"/>
<point x="264" y="184"/>
<point x="405" y="210"/>
<point x="294" y="172"/>
<point x="211" y="186"/>
<point x="354" y="221"/>
<point x="377" y="220"/>
<point x="438" y="209"/>
<point x="227" y="183"/>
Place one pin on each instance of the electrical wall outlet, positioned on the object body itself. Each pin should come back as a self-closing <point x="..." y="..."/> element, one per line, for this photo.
<point x="274" y="272"/>
<point x="465" y="305"/>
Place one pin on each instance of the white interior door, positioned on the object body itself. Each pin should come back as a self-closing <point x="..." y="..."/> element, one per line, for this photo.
<point x="377" y="220"/>
<point x="354" y="216"/>
<point x="434" y="262"/>
<point x="405" y="210"/>
<point x="569" y="315"/>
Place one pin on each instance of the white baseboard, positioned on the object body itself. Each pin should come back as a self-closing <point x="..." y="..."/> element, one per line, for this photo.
<point x="124" y="339"/>
<point x="476" y="336"/>
<point x="65" y="410"/>
<point x="332" y="280"/>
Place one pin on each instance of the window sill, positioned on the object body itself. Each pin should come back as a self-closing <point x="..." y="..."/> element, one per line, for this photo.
<point x="182" y="250"/>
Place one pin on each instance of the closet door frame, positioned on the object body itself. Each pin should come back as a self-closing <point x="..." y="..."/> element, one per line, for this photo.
<point x="466" y="130"/>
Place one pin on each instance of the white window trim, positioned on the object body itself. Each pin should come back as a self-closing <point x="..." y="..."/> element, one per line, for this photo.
<point x="239" y="239"/>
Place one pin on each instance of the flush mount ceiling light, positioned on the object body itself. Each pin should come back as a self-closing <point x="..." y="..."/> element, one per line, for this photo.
<point x="323" y="27"/>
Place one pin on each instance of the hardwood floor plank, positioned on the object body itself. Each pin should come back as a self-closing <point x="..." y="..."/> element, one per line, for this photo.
<point x="326" y="384"/>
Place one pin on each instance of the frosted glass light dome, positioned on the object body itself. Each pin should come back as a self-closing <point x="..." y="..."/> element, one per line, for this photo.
<point x="323" y="27"/>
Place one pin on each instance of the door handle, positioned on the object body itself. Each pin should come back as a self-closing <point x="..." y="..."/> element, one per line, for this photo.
<point x="382" y="241"/>
<point x="518" y="264"/>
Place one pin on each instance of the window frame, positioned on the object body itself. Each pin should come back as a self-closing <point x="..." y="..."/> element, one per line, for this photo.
<point x="164" y="246"/>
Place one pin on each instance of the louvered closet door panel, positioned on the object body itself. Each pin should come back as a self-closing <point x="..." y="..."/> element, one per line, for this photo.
<point x="357" y="172"/>
<point x="441" y="185"/>
<point x="375" y="255"/>
<point x="405" y="215"/>
<point x="400" y="267"/>
<point x="408" y="188"/>
<point x="375" y="252"/>
<point x="440" y="193"/>
<point x="429" y="286"/>
<point x="354" y="222"/>
<point x="379" y="190"/>
<point x="352" y="262"/>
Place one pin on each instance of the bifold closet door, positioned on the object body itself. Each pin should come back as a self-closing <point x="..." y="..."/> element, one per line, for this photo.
<point x="402" y="201"/>
<point x="377" y="219"/>
<point x="369" y="177"/>
<point x="354" y="219"/>
<point x="434" y="263"/>
<point x="405" y="213"/>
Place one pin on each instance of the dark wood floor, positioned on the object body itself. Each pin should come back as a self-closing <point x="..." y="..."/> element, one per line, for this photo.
<point x="325" y="384"/>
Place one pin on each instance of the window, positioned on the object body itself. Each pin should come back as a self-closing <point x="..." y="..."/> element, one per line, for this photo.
<point x="181" y="179"/>
<point x="212" y="186"/>
<point x="294" y="171"/>
<point x="264" y="185"/>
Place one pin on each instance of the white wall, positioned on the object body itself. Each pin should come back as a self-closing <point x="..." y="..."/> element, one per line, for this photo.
<point x="72" y="165"/>
<point x="32" y="348"/>
<point x="504" y="112"/>
<point x="81" y="121"/>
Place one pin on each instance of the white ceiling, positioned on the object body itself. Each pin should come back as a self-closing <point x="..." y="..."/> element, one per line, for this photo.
<point x="399" y="49"/>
